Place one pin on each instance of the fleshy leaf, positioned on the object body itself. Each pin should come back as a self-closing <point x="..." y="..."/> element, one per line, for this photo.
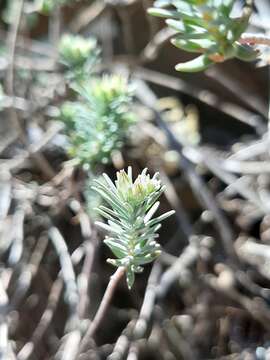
<point x="198" y="64"/>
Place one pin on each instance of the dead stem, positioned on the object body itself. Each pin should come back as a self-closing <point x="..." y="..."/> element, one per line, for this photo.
<point x="112" y="285"/>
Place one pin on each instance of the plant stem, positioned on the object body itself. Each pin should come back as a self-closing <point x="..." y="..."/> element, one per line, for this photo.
<point x="114" y="280"/>
<point x="9" y="81"/>
<point x="255" y="39"/>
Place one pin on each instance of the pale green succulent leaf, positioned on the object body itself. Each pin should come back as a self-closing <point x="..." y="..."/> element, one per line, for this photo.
<point x="198" y="64"/>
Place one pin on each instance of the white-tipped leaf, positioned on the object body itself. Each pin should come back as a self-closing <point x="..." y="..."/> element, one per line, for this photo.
<point x="151" y="212"/>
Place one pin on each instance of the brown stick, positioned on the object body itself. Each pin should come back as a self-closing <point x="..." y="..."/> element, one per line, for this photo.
<point x="255" y="39"/>
<point x="114" y="280"/>
<point x="9" y="81"/>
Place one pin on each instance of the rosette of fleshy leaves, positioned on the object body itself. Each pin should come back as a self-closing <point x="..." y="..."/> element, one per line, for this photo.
<point x="206" y="27"/>
<point x="132" y="229"/>
<point x="79" y="55"/>
<point x="97" y="124"/>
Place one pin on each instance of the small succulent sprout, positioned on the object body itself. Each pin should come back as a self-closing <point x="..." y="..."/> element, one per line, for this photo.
<point x="97" y="124"/>
<point x="206" y="27"/>
<point x="78" y="54"/>
<point x="131" y="226"/>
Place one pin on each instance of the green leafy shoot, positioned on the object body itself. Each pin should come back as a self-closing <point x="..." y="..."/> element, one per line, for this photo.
<point x="205" y="27"/>
<point x="97" y="124"/>
<point x="79" y="55"/>
<point x="131" y="227"/>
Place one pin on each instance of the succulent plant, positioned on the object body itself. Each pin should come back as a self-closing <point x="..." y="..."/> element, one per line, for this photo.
<point x="132" y="228"/>
<point x="206" y="27"/>
<point x="78" y="54"/>
<point x="98" y="122"/>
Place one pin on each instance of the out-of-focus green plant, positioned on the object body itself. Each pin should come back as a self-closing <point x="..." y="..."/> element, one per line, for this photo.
<point x="98" y="122"/>
<point x="78" y="54"/>
<point x="206" y="27"/>
<point x="10" y="10"/>
<point x="92" y="199"/>
<point x="132" y="228"/>
<point x="47" y="6"/>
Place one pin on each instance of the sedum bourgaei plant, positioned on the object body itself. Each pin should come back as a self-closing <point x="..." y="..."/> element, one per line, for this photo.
<point x="79" y="55"/>
<point x="206" y="27"/>
<point x="97" y="124"/>
<point x="132" y="229"/>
